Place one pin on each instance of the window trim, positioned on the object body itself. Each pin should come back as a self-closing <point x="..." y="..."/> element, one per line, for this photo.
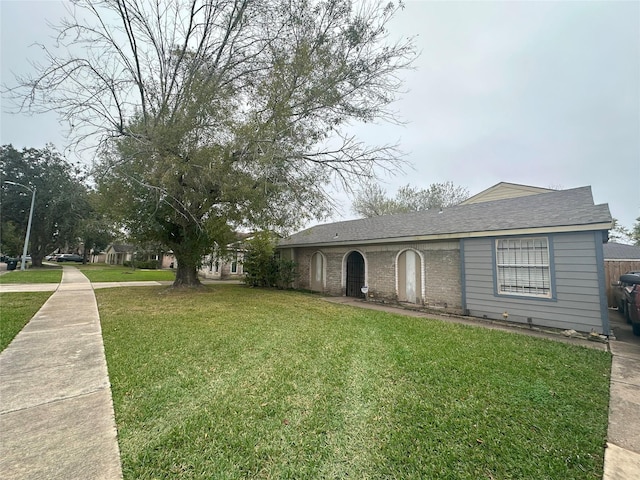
<point x="551" y="296"/>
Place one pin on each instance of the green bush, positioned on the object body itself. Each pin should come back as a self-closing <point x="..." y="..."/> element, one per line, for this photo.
<point x="146" y="264"/>
<point x="262" y="268"/>
<point x="286" y="273"/>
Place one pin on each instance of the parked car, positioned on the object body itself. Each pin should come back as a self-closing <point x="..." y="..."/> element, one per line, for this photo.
<point x="632" y="305"/>
<point x="621" y="294"/>
<point x="69" y="257"/>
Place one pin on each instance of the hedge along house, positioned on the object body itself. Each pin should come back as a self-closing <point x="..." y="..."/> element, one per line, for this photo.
<point x="527" y="254"/>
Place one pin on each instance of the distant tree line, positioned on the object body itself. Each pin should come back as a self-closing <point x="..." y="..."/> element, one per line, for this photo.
<point x="65" y="215"/>
<point x="372" y="200"/>
<point x="620" y="233"/>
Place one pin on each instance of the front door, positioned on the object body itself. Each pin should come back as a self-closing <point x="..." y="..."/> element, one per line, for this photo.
<point x="355" y="275"/>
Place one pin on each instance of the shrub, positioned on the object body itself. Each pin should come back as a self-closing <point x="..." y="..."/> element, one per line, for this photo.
<point x="261" y="266"/>
<point x="146" y="264"/>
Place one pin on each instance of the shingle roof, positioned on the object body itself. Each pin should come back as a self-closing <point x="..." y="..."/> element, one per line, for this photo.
<point x="618" y="251"/>
<point x="560" y="208"/>
<point x="123" y="248"/>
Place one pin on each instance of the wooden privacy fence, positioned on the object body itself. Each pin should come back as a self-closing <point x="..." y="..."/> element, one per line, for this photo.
<point x="612" y="270"/>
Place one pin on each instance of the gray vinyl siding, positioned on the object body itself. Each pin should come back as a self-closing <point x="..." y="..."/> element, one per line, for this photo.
<point x="576" y="290"/>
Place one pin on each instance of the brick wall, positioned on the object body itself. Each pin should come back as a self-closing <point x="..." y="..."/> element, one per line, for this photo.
<point x="443" y="283"/>
<point x="442" y="286"/>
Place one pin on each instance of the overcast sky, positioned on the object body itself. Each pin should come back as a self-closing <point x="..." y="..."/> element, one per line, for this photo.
<point x="538" y="93"/>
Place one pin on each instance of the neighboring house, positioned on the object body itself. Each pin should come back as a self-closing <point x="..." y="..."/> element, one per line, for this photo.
<point x="228" y="265"/>
<point x="118" y="254"/>
<point x="97" y="256"/>
<point x="618" y="260"/>
<point x="527" y="254"/>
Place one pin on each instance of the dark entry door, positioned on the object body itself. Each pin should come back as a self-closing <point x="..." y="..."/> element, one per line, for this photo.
<point x="355" y="275"/>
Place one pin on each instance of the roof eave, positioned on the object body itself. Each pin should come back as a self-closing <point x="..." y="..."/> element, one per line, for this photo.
<point x="459" y="235"/>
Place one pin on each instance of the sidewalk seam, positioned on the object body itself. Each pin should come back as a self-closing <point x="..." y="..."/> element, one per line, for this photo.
<point x="620" y="382"/>
<point x="57" y="400"/>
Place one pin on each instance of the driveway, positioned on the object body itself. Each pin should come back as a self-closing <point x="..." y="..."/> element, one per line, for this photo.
<point x="622" y="456"/>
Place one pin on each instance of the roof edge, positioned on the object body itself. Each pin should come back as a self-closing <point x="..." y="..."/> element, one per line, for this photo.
<point x="460" y="235"/>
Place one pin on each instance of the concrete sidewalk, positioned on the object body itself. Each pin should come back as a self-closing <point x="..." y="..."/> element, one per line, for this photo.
<point x="622" y="456"/>
<point x="56" y="412"/>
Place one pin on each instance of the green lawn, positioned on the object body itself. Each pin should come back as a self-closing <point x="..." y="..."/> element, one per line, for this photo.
<point x="33" y="275"/>
<point x="117" y="273"/>
<point x="16" y="309"/>
<point x="230" y="382"/>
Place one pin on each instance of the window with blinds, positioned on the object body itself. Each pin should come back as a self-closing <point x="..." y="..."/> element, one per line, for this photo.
<point x="523" y="267"/>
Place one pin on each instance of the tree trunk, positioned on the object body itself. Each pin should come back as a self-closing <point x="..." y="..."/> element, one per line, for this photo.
<point x="36" y="260"/>
<point x="186" y="273"/>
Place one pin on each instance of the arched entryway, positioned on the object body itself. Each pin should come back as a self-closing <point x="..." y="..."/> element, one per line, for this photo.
<point x="409" y="276"/>
<point x="317" y="271"/>
<point x="355" y="275"/>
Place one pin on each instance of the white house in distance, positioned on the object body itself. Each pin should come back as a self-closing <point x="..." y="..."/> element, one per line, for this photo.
<point x="528" y="254"/>
<point x="117" y="254"/>
<point x="226" y="266"/>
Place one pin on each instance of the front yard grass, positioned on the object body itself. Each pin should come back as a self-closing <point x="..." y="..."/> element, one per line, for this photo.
<point x="230" y="382"/>
<point x="16" y="309"/>
<point x="33" y="275"/>
<point x="117" y="273"/>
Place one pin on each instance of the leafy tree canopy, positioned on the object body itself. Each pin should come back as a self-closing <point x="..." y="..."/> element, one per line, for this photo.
<point x="372" y="200"/>
<point x="622" y="234"/>
<point x="618" y="232"/>
<point x="635" y="232"/>
<point x="95" y="231"/>
<point x="60" y="202"/>
<point x="217" y="115"/>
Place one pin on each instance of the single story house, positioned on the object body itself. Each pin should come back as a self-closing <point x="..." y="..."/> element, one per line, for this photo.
<point x="118" y="254"/>
<point x="97" y="256"/>
<point x="527" y="254"/>
<point x="227" y="265"/>
<point x="618" y="260"/>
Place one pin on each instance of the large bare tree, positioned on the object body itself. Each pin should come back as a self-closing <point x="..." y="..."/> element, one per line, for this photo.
<point x="215" y="114"/>
<point x="371" y="200"/>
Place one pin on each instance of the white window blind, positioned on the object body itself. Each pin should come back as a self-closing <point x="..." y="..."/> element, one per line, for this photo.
<point x="523" y="266"/>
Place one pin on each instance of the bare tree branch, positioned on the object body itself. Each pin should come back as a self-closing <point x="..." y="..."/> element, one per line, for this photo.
<point x="210" y="112"/>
